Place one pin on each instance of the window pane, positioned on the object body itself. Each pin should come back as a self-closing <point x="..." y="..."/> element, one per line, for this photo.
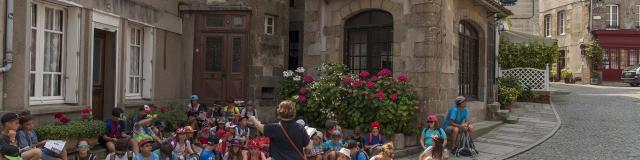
<point x="48" y="24"/>
<point x="131" y="85"/>
<point x="32" y="85"/>
<point x="238" y="22"/>
<point x="634" y="57"/>
<point x="237" y="54"/>
<point x="32" y="50"/>
<point x="137" y="85"/>
<point x="34" y="15"/>
<point x="133" y="36"/>
<point x="46" y="85"/>
<point x="138" y="36"/>
<point x="270" y="29"/>
<point x="134" y="61"/>
<point x="269" y="20"/>
<point x="52" y="50"/>
<point x="56" y="85"/>
<point x="215" y="21"/>
<point x="213" y="54"/>
<point x="59" y="20"/>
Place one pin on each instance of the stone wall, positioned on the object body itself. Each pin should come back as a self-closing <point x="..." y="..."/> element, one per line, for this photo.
<point x="267" y="53"/>
<point x="628" y="14"/>
<point x="425" y="43"/>
<point x="576" y="33"/>
<point x="525" y="16"/>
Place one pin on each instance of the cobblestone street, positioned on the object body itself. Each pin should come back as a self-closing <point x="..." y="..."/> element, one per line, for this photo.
<point x="598" y="122"/>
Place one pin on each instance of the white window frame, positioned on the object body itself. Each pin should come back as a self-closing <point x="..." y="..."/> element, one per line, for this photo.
<point x="610" y="13"/>
<point x="547" y="25"/>
<point x="140" y="45"/>
<point x="638" y="23"/>
<point x="561" y="22"/>
<point x="38" y="97"/>
<point x="268" y="31"/>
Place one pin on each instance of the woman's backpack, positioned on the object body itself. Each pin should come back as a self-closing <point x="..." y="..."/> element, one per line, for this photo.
<point x="465" y="146"/>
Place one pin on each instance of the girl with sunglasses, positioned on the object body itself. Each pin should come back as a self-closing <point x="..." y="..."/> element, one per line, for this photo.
<point x="432" y="130"/>
<point x="83" y="151"/>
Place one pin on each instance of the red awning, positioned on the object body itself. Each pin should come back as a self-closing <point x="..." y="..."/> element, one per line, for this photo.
<point x="618" y="38"/>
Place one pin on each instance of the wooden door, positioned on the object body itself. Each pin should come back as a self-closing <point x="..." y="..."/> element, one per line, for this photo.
<point x="219" y="67"/>
<point x="612" y="65"/>
<point x="97" y="99"/>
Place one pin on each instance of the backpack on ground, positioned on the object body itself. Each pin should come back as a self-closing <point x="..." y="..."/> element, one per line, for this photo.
<point x="465" y="146"/>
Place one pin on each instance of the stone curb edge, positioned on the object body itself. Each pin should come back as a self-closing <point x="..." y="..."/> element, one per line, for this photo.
<point x="540" y="141"/>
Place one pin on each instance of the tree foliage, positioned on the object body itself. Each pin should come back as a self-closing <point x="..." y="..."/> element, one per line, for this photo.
<point x="527" y="55"/>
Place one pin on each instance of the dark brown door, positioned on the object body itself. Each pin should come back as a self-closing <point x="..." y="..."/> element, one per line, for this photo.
<point x="97" y="100"/>
<point x="561" y="65"/>
<point x="219" y="67"/>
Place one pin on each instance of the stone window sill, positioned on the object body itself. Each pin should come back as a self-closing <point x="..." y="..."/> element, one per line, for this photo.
<point x="53" y="108"/>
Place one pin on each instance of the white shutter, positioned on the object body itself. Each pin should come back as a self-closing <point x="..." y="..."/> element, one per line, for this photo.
<point x="147" y="62"/>
<point x="71" y="81"/>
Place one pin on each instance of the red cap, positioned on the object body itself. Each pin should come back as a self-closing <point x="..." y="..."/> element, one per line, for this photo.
<point x="375" y="125"/>
<point x="432" y="118"/>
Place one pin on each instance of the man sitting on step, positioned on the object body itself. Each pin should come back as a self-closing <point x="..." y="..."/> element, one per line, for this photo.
<point x="457" y="120"/>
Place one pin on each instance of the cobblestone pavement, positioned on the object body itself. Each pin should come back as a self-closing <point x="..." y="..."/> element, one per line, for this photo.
<point x="598" y="122"/>
<point x="535" y="122"/>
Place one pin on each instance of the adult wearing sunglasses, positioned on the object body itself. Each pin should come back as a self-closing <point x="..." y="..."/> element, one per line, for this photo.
<point x="83" y="151"/>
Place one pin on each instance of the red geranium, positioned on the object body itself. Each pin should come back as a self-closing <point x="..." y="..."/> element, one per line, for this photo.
<point x="302" y="99"/>
<point x="384" y="72"/>
<point x="357" y="83"/>
<point x="307" y="79"/>
<point x="154" y="107"/>
<point x="364" y="74"/>
<point x="393" y="97"/>
<point x="64" y="120"/>
<point x="375" y="78"/>
<point x="162" y="109"/>
<point x="380" y="96"/>
<point x="58" y="115"/>
<point x="303" y="91"/>
<point x="370" y="84"/>
<point x="85" y="113"/>
<point x="403" y="78"/>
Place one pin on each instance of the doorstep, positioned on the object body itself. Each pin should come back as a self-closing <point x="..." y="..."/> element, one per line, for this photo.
<point x="484" y="127"/>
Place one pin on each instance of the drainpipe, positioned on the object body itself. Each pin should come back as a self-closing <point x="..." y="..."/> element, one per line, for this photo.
<point x="590" y="16"/>
<point x="8" y="39"/>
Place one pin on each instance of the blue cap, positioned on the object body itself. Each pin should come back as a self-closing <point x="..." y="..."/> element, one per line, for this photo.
<point x="194" y="97"/>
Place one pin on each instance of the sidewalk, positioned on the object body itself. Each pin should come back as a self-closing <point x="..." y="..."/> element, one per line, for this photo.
<point x="537" y="123"/>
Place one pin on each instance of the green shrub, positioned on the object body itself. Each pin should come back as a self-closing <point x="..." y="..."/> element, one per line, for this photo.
<point x="74" y="129"/>
<point x="553" y="74"/>
<point x="510" y="81"/>
<point x="507" y="95"/>
<point x="529" y="55"/>
<point x="566" y="73"/>
<point x="526" y="95"/>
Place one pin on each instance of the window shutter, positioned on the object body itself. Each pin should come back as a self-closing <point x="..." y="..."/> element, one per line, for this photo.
<point x="73" y="51"/>
<point x="147" y="63"/>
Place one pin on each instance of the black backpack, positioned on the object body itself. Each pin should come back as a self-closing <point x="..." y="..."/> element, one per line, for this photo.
<point x="465" y="146"/>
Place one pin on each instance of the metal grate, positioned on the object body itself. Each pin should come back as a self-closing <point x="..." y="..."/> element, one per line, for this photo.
<point x="468" y="50"/>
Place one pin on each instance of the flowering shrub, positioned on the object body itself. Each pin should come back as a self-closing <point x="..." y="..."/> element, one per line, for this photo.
<point x="353" y="100"/>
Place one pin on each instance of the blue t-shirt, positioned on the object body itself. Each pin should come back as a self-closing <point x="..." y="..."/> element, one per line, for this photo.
<point x="159" y="155"/>
<point x="427" y="133"/>
<point x="140" y="157"/>
<point x="374" y="139"/>
<point x="456" y="116"/>
<point x="359" y="156"/>
<point x="207" y="155"/>
<point x="329" y="145"/>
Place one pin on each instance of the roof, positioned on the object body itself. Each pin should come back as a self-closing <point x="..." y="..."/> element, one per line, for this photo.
<point x="495" y="6"/>
<point x="519" y="37"/>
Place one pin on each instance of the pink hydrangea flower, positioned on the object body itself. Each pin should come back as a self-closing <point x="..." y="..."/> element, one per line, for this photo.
<point x="403" y="78"/>
<point x="307" y="79"/>
<point x="393" y="97"/>
<point x="375" y="79"/>
<point x="370" y="84"/>
<point x="303" y="91"/>
<point x="384" y="72"/>
<point x="347" y="80"/>
<point x="380" y="96"/>
<point x="364" y="74"/>
<point x="302" y="99"/>
<point x="357" y="83"/>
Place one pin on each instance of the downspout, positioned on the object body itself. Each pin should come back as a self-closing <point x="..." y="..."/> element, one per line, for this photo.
<point x="8" y="39"/>
<point x="590" y="16"/>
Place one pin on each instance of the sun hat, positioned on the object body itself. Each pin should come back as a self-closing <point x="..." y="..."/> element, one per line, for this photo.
<point x="189" y="129"/>
<point x="345" y="152"/>
<point x="194" y="97"/>
<point x="432" y="118"/>
<point x="180" y="130"/>
<point x="375" y="125"/>
<point x="460" y="99"/>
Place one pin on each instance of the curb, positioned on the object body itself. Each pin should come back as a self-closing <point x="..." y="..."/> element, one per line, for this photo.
<point x="540" y="141"/>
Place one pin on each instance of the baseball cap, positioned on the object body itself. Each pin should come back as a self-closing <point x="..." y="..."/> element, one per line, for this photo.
<point x="194" y="97"/>
<point x="460" y="99"/>
<point x="145" y="141"/>
<point x="213" y="141"/>
<point x="7" y="117"/>
<point x="432" y="118"/>
<point x="375" y="125"/>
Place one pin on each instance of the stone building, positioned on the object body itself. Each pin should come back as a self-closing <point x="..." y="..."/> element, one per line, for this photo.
<point x="567" y="22"/>
<point x="525" y="17"/>
<point x="616" y="26"/>
<point x="69" y="54"/>
<point x="446" y="47"/>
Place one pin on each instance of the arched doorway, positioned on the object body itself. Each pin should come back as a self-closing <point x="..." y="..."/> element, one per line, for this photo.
<point x="468" y="44"/>
<point x="368" y="41"/>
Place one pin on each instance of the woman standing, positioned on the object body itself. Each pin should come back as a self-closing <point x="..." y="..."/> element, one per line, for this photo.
<point x="287" y="137"/>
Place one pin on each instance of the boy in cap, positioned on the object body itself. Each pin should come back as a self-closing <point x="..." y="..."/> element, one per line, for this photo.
<point x="335" y="144"/>
<point x="115" y="131"/>
<point x="8" y="142"/>
<point x="374" y="137"/>
<point x="146" y="147"/>
<point x="457" y="119"/>
<point x="208" y="151"/>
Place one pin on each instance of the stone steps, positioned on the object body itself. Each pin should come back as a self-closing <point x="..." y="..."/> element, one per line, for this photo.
<point x="483" y="127"/>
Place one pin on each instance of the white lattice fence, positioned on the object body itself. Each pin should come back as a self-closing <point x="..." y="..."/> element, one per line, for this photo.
<point x="534" y="79"/>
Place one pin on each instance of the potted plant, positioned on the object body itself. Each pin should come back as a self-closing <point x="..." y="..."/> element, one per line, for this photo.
<point x="553" y="75"/>
<point x="507" y="96"/>
<point x="596" y="77"/>
<point x="72" y="132"/>
<point x="566" y="75"/>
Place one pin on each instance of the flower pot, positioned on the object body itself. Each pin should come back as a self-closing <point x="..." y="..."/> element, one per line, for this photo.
<point x="398" y="141"/>
<point x="506" y="106"/>
<point x="411" y="140"/>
